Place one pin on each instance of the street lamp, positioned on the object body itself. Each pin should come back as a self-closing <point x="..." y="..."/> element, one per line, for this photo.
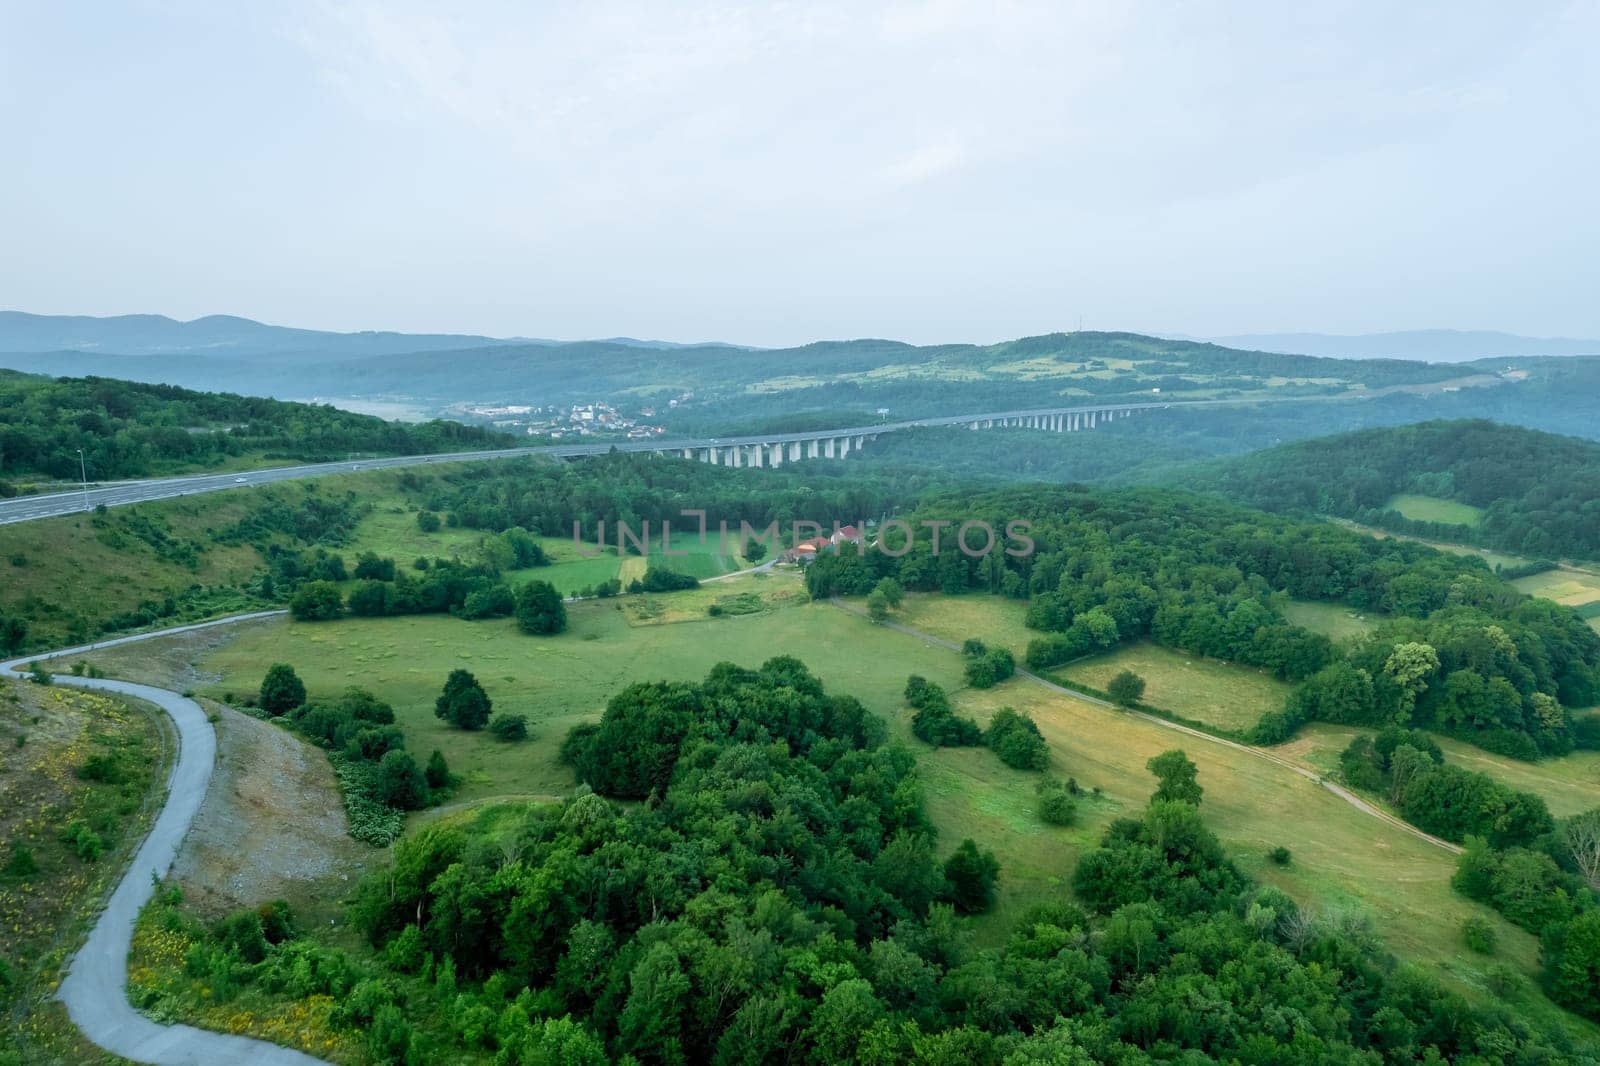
<point x="83" y="472"/>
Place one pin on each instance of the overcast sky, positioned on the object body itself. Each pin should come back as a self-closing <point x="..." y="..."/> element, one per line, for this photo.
<point x="786" y="172"/>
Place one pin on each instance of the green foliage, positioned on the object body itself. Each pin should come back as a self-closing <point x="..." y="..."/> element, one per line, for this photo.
<point x="131" y="430"/>
<point x="990" y="667"/>
<point x="509" y="727"/>
<point x="1056" y="803"/>
<point x="663" y="579"/>
<point x="316" y="601"/>
<point x="970" y="875"/>
<point x="282" y="690"/>
<point x="463" y="703"/>
<point x="399" y="782"/>
<point x="1178" y="778"/>
<point x="933" y="721"/>
<point x="84" y="842"/>
<point x="437" y="771"/>
<point x="1440" y="798"/>
<point x="1538" y="492"/>
<point x="1017" y="741"/>
<point x="1478" y="935"/>
<point x="21" y="862"/>
<point x="1126" y="689"/>
<point x="539" y="609"/>
<point x="877" y="606"/>
<point x="1280" y="856"/>
<point x="428" y="522"/>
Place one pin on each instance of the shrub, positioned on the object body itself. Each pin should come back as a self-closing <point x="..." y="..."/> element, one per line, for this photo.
<point x="84" y="842"/>
<point x="438" y="771"/>
<point x="316" y="601"/>
<point x="1478" y="935"/>
<point x="1279" y="855"/>
<point x="281" y="690"/>
<point x="970" y="875"/>
<point x="463" y="703"/>
<point x="539" y="609"/>
<point x="428" y="522"/>
<point x="1126" y="689"/>
<point x="1056" y="803"/>
<point x="21" y="862"/>
<point x="509" y="727"/>
<point x="1016" y="739"/>
<point x="399" y="782"/>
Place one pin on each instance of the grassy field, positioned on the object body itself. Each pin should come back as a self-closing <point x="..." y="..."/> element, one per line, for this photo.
<point x="1567" y="585"/>
<point x="1434" y="509"/>
<point x="1219" y="694"/>
<point x="1343" y="859"/>
<point x="560" y="681"/>
<point x="995" y="620"/>
<point x="50" y="885"/>
<point x="1568" y="785"/>
<point x="1332" y="620"/>
<point x="1494" y="558"/>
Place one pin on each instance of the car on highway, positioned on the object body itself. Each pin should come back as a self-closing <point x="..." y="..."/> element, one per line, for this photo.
<point x="238" y="481"/>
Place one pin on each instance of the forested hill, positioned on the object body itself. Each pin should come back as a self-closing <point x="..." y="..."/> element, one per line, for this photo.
<point x="133" y="430"/>
<point x="726" y="384"/>
<point x="1517" y="489"/>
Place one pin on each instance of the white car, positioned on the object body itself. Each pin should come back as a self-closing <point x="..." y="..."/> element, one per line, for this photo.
<point x="238" y="481"/>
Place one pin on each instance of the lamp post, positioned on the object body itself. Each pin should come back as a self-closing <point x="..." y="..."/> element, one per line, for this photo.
<point x="83" y="472"/>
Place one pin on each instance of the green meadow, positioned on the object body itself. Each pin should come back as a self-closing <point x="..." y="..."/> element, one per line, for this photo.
<point x="1434" y="509"/>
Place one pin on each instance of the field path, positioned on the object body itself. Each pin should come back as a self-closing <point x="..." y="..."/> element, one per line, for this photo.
<point x="95" y="989"/>
<point x="1261" y="753"/>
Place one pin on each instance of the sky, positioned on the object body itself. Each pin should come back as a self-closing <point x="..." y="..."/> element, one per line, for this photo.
<point x="785" y="172"/>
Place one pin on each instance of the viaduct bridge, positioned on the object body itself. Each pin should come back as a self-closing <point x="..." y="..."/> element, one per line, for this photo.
<point x="765" y="450"/>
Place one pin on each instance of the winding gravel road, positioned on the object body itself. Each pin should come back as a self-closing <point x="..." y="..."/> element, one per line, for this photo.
<point x="95" y="989"/>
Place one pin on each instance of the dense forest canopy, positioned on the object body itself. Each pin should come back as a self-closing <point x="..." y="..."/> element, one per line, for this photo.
<point x="1539" y="493"/>
<point x="127" y="429"/>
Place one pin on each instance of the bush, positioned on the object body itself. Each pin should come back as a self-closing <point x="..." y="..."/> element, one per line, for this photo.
<point x="970" y="875"/>
<point x="438" y="771"/>
<point x="21" y="862"/>
<point x="399" y="782"/>
<point x="281" y="690"/>
<point x="428" y="522"/>
<point x="1478" y="935"/>
<point x="495" y="601"/>
<point x="1017" y="741"/>
<point x="1126" y="689"/>
<point x="1279" y="855"/>
<point x="509" y="727"/>
<point x="1056" y="803"/>
<point x="663" y="579"/>
<point x="463" y="703"/>
<point x="539" y="609"/>
<point x="316" y="601"/>
<point x="84" y="842"/>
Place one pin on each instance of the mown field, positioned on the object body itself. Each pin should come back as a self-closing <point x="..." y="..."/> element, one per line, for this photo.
<point x="1333" y="620"/>
<point x="1433" y="509"/>
<point x="1343" y="860"/>
<point x="1222" y="695"/>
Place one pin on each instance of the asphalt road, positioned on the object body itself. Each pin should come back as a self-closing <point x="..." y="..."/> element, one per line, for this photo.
<point x="95" y="990"/>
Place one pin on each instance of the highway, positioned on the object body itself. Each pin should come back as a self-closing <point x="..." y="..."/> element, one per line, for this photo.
<point x="121" y="494"/>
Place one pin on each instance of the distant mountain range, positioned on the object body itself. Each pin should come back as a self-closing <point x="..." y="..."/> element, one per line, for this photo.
<point x="231" y="336"/>
<point x="1428" y="345"/>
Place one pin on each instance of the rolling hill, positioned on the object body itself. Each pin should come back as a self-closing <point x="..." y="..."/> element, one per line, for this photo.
<point x="1475" y="482"/>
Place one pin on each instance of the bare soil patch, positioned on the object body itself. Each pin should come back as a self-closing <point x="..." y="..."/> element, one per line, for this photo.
<point x="272" y="826"/>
